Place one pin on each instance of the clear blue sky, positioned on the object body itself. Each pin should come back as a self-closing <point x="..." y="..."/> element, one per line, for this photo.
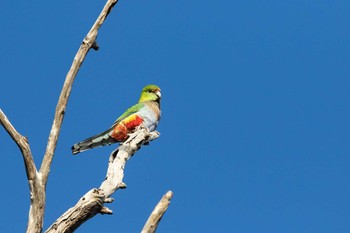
<point x="255" y="125"/>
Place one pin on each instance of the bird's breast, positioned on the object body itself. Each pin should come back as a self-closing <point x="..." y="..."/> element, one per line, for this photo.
<point x="150" y="114"/>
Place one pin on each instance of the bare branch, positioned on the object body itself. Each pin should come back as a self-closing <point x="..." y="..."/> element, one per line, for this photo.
<point x="37" y="191"/>
<point x="92" y="202"/>
<point x="23" y="145"/>
<point x="157" y="214"/>
<point x="88" y="42"/>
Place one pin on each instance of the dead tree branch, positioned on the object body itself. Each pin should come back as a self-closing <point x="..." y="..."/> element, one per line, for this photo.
<point x="92" y="202"/>
<point x="38" y="180"/>
<point x="157" y="214"/>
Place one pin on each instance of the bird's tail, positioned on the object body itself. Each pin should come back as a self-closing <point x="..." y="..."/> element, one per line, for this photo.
<point x="101" y="139"/>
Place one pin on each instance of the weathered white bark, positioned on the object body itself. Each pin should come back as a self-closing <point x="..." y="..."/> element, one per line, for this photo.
<point x="92" y="202"/>
<point x="157" y="214"/>
<point x="38" y="179"/>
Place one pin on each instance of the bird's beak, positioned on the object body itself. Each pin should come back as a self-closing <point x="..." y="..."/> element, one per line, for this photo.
<point x="158" y="94"/>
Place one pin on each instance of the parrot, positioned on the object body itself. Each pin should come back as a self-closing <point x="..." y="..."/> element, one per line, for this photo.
<point x="146" y="112"/>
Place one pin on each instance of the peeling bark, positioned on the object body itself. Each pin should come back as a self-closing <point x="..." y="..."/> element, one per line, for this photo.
<point x="93" y="201"/>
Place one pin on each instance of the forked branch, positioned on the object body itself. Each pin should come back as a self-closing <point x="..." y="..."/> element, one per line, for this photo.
<point x="38" y="179"/>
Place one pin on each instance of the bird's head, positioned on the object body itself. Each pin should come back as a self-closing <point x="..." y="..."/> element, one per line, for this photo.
<point x="150" y="93"/>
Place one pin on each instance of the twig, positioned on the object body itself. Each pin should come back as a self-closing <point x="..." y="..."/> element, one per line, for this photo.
<point x="92" y="202"/>
<point x="157" y="214"/>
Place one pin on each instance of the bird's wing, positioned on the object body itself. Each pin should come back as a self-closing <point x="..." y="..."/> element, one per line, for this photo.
<point x="130" y="111"/>
<point x="104" y="138"/>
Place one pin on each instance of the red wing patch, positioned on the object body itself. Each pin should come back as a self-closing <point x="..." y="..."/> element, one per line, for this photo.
<point x="120" y="132"/>
<point x="132" y="121"/>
